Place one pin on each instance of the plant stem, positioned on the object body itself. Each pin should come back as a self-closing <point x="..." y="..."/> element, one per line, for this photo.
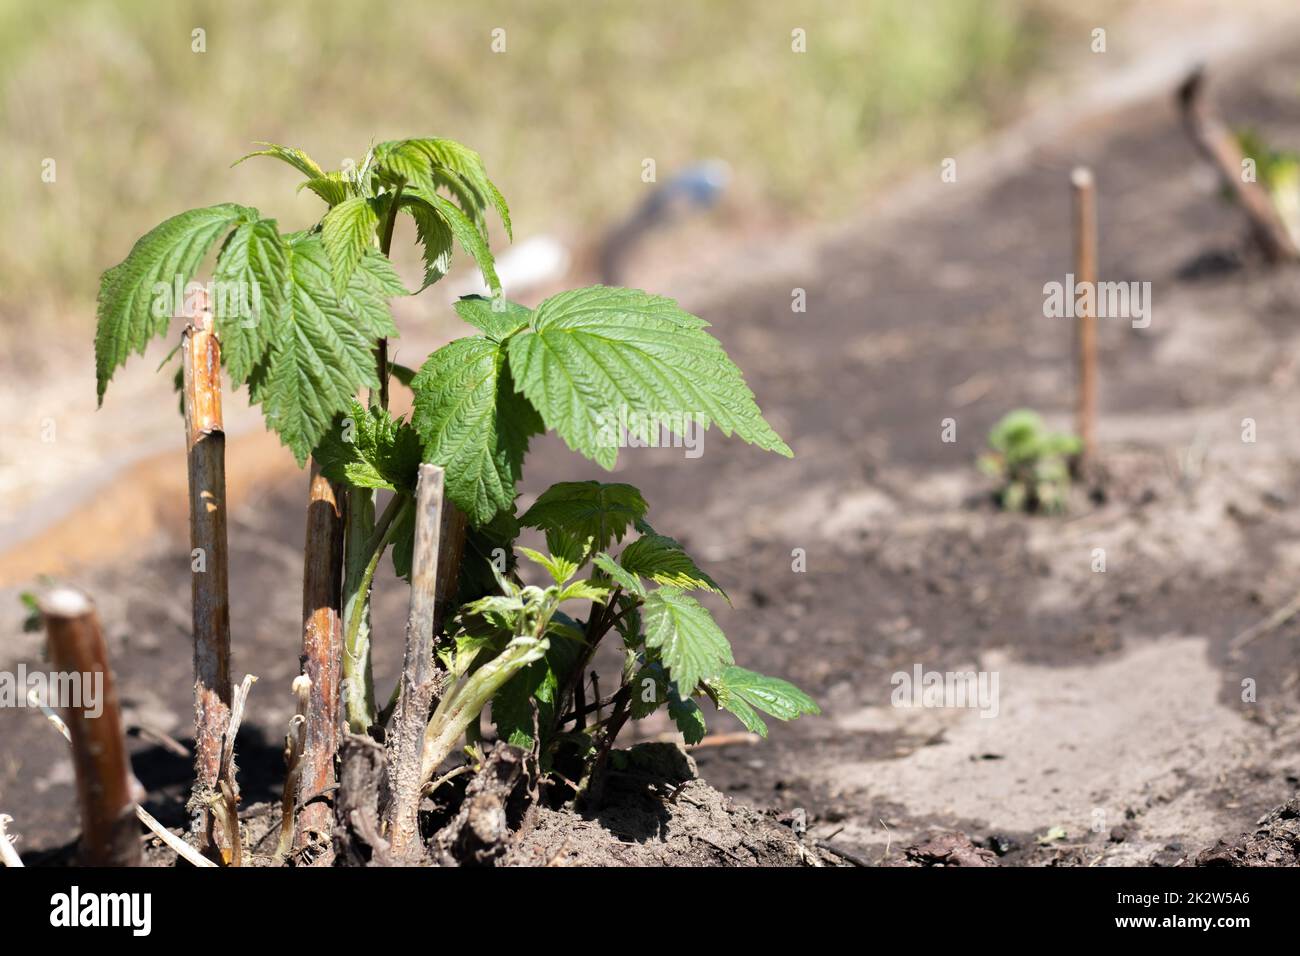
<point x="599" y="621"/>
<point x="470" y="695"/>
<point x="209" y="579"/>
<point x="359" y="529"/>
<point x="422" y="675"/>
<point x="360" y="700"/>
<point x="322" y="639"/>
<point x="385" y="244"/>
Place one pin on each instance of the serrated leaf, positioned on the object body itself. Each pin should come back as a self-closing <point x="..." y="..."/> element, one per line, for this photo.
<point x="584" y="591"/>
<point x="689" y="642"/>
<point x="587" y="509"/>
<point x="743" y="692"/>
<point x="469" y="237"/>
<point x="255" y="260"/>
<point x="169" y="254"/>
<point x="468" y="166"/>
<point x="322" y="351"/>
<point x="474" y="424"/>
<point x="662" y="560"/>
<point x="559" y="567"/>
<point x="368" y="448"/>
<point x="295" y="157"/>
<point x="594" y="359"/>
<point x="688" y="717"/>
<point x="435" y="241"/>
<point x="497" y="318"/>
<point x="432" y="163"/>
<point x="649" y="690"/>
<point x="629" y="581"/>
<point x="331" y="187"/>
<point x="347" y="231"/>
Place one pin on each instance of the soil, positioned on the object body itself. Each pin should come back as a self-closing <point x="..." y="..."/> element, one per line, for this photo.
<point x="1140" y="719"/>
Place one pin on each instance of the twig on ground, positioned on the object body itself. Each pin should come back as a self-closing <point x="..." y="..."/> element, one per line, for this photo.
<point x="842" y="853"/>
<point x="294" y="742"/>
<point x="8" y="855"/>
<point x="165" y="741"/>
<point x="227" y="784"/>
<point x="1273" y="621"/>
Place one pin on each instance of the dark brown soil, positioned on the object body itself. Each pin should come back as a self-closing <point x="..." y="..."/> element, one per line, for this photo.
<point x="1275" y="841"/>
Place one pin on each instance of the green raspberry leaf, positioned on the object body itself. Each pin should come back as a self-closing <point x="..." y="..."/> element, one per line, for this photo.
<point x="331" y="187"/>
<point x="347" y="231"/>
<point x="689" y="642"/>
<point x="744" y="692"/>
<point x="662" y="560"/>
<point x="629" y="581"/>
<point x="368" y="448"/>
<point x="433" y="163"/>
<point x="587" y="510"/>
<point x="322" y="351"/>
<point x="496" y="318"/>
<point x="474" y="424"/>
<point x="595" y="358"/>
<point x="129" y="314"/>
<point x="435" y="240"/>
<point x="687" y="715"/>
<point x="250" y="282"/>
<point x="460" y="226"/>
<point x="289" y="154"/>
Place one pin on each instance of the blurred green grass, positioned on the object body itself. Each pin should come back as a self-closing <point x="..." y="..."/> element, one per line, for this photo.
<point x="141" y="127"/>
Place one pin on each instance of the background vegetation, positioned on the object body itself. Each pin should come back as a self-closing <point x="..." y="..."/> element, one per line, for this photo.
<point x="585" y="91"/>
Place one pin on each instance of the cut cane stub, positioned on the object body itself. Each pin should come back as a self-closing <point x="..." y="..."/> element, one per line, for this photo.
<point x="64" y="602"/>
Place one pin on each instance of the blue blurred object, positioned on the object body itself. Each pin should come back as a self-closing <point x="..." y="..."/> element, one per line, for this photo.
<point x="695" y="188"/>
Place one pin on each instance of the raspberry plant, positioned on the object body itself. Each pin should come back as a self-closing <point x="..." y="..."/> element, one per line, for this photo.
<point x="303" y="319"/>
<point x="1031" y="463"/>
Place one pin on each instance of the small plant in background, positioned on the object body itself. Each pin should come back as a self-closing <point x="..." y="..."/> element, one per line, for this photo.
<point x="1031" y="463"/>
<point x="303" y="320"/>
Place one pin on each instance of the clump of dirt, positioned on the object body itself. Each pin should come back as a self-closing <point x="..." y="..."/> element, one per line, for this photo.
<point x="657" y="812"/>
<point x="947" y="849"/>
<point x="1275" y="842"/>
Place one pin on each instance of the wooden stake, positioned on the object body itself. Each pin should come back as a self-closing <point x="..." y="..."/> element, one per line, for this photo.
<point x="1085" y="271"/>
<point x="106" y="788"/>
<point x="322" y="656"/>
<point x="210" y="576"/>
<point x="1219" y="146"/>
<point x="422" y="676"/>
